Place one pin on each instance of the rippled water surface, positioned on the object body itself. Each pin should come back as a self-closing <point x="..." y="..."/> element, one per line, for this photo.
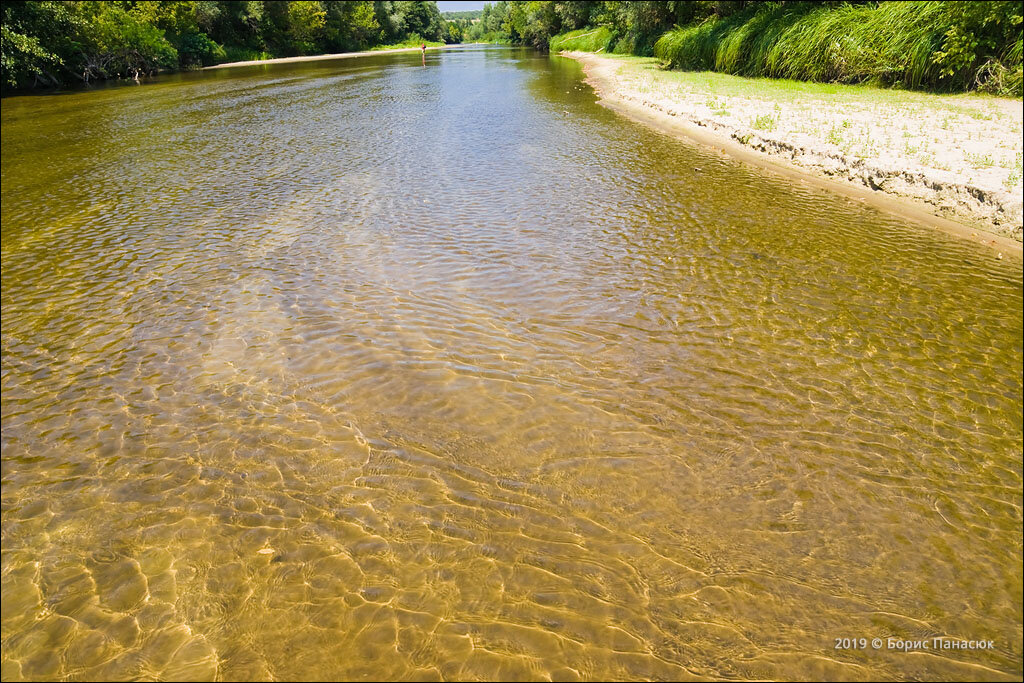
<point x="365" y="369"/>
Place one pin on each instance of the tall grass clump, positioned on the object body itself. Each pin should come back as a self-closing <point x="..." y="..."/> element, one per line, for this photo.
<point x="412" y="40"/>
<point x="924" y="45"/>
<point x="584" y="40"/>
<point x="234" y="53"/>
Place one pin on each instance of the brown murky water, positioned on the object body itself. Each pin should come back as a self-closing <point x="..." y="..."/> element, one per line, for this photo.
<point x="361" y="369"/>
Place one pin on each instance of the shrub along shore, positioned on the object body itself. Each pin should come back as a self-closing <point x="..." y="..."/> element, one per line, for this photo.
<point x="56" y="44"/>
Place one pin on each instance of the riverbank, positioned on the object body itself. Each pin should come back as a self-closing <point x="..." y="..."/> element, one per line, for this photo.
<point x="955" y="157"/>
<point x="337" y="55"/>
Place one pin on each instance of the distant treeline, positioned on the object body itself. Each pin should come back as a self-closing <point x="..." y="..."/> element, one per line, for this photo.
<point x="56" y="43"/>
<point x="468" y="14"/>
<point x="945" y="46"/>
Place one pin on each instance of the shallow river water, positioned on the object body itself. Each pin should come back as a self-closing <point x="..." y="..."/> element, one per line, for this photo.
<point x="365" y="369"/>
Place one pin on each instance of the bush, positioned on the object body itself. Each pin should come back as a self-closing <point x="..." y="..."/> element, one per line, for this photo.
<point x="118" y="44"/>
<point x="36" y="39"/>
<point x="197" y="49"/>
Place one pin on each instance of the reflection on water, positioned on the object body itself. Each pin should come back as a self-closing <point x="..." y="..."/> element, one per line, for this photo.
<point x="361" y="369"/>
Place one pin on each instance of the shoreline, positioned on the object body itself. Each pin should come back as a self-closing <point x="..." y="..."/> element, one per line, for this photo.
<point x="336" y="55"/>
<point x="940" y="200"/>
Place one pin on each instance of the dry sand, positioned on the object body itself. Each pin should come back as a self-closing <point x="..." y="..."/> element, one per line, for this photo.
<point x="949" y="157"/>
<point x="337" y="55"/>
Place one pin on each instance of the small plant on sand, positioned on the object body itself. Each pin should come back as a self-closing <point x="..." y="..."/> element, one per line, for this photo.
<point x="979" y="160"/>
<point x="1012" y="180"/>
<point x="721" y="112"/>
<point x="835" y="137"/>
<point x="765" y="122"/>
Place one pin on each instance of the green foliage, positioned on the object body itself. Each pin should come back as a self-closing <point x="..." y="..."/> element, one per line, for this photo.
<point x="635" y="24"/>
<point x="641" y="22"/>
<point x="491" y="26"/>
<point x="454" y="34"/>
<point x="937" y="45"/>
<point x="197" y="49"/>
<point x="34" y="39"/>
<point x="456" y="16"/>
<point x="46" y="43"/>
<point x="977" y="29"/>
<point x="118" y="44"/>
<point x="532" y="23"/>
<point x="423" y="19"/>
<point x="306" y="22"/>
<point x="576" y="15"/>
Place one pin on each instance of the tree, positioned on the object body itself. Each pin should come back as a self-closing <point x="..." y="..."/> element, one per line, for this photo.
<point x="423" y="19"/>
<point x="306" y="21"/>
<point x="351" y="25"/>
<point x="34" y="38"/>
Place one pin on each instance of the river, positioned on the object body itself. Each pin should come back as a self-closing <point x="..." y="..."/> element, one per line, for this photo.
<point x="367" y="369"/>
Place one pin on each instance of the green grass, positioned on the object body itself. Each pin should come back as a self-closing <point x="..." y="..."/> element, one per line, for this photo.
<point x="583" y="40"/>
<point x="243" y="54"/>
<point x="412" y="41"/>
<point x="712" y="85"/>
<point x="891" y="44"/>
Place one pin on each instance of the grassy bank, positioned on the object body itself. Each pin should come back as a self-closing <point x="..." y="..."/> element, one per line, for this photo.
<point x="922" y="45"/>
<point x="584" y="40"/>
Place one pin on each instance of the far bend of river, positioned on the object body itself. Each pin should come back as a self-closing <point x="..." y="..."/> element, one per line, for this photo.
<point x="364" y="369"/>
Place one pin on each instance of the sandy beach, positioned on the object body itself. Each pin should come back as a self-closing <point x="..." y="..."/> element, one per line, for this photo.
<point x="954" y="161"/>
<point x="337" y="55"/>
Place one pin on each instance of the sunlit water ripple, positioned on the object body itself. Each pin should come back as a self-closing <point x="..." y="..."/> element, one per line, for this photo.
<point x="362" y="369"/>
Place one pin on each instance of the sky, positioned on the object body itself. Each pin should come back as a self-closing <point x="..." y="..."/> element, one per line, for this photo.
<point x="459" y="6"/>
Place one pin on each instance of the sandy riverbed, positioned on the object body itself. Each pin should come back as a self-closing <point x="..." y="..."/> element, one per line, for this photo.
<point x="955" y="157"/>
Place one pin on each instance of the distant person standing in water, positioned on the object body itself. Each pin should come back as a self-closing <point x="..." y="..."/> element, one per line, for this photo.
<point x="423" y="52"/>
